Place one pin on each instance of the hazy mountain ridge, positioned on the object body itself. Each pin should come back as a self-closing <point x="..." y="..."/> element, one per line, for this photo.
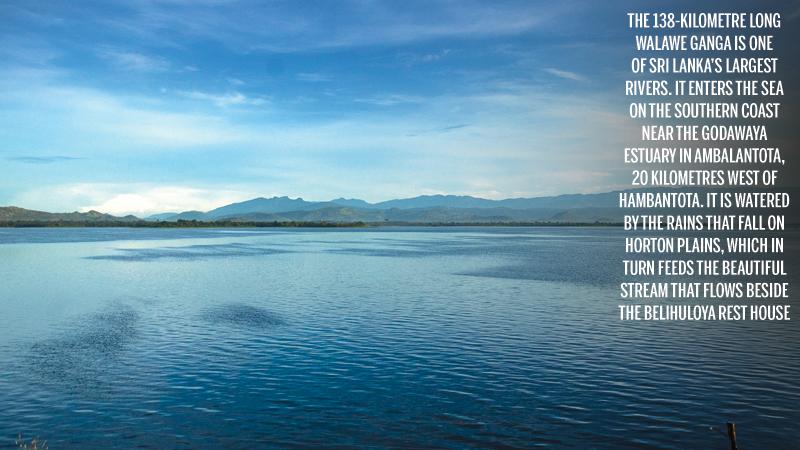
<point x="416" y="215"/>
<point x="421" y="209"/>
<point x="572" y="208"/>
<point x="16" y="214"/>
<point x="425" y="208"/>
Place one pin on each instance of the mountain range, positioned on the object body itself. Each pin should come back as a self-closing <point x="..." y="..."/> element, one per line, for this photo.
<point x="16" y="214"/>
<point x="422" y="209"/>
<point x="426" y="209"/>
<point x="588" y="208"/>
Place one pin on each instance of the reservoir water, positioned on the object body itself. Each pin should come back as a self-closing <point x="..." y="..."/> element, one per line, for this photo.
<point x="379" y="338"/>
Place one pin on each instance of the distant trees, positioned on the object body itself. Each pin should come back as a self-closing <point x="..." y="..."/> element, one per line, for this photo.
<point x="175" y="224"/>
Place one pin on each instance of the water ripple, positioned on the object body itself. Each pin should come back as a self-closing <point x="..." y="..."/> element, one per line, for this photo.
<point x="190" y="252"/>
<point x="242" y="315"/>
<point x="423" y="338"/>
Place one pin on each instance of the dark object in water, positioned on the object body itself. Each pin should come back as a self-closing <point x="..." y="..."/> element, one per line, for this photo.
<point x="732" y="435"/>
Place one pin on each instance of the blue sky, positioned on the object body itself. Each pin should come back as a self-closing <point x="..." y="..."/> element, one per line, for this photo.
<point x="151" y="106"/>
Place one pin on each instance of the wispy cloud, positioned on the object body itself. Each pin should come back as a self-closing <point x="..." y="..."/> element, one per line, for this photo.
<point x="453" y="127"/>
<point x="120" y="122"/>
<point x="565" y="74"/>
<point x="410" y="59"/>
<point x="282" y="27"/>
<point x="354" y="98"/>
<point x="313" y="77"/>
<point x="391" y="99"/>
<point x="41" y="159"/>
<point x="226" y="99"/>
<point x="26" y="50"/>
<point x="444" y="129"/>
<point x="140" y="62"/>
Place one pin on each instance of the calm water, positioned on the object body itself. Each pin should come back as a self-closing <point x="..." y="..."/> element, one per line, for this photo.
<point x="389" y="338"/>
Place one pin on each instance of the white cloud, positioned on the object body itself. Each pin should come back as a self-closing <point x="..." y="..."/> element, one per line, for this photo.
<point x="281" y="27"/>
<point x="390" y="99"/>
<point x="120" y="121"/>
<point x="520" y="136"/>
<point x="26" y="50"/>
<point x="227" y="99"/>
<point x="565" y="74"/>
<point x="409" y="59"/>
<point x="140" y="62"/>
<point x="139" y="199"/>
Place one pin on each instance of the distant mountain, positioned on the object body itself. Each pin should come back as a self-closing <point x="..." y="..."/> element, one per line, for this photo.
<point x="15" y="214"/>
<point x="187" y="215"/>
<point x="570" y="201"/>
<point x="352" y="202"/>
<point x="325" y="214"/>
<point x="576" y="208"/>
<point x="605" y="200"/>
<point x="588" y="215"/>
<point x="260" y="205"/>
<point x="426" y="208"/>
<point x="432" y="215"/>
<point x="161" y="216"/>
<point x="432" y="201"/>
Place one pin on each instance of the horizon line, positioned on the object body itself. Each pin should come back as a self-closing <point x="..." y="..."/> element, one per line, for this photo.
<point x="301" y="198"/>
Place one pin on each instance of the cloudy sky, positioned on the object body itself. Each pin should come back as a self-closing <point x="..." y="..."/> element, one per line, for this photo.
<point x="144" y="106"/>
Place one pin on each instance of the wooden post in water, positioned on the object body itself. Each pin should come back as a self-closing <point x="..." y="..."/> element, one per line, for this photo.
<point x="732" y="435"/>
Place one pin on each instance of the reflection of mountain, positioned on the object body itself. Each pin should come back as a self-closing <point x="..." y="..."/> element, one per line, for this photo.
<point x="578" y="208"/>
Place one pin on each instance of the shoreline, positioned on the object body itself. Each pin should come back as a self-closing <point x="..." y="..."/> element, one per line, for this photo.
<point x="198" y="224"/>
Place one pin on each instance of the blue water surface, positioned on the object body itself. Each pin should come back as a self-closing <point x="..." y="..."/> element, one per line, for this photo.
<point x="370" y="338"/>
